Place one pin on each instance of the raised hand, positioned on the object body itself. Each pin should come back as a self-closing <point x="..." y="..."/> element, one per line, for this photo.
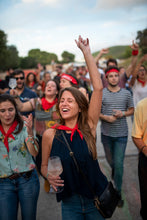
<point x="134" y="46"/>
<point x="29" y="123"/>
<point x="83" y="44"/>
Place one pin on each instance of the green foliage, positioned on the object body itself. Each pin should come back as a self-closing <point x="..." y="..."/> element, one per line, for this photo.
<point x="42" y="57"/>
<point x="142" y="40"/>
<point x="12" y="57"/>
<point x="28" y="62"/>
<point x="67" y="57"/>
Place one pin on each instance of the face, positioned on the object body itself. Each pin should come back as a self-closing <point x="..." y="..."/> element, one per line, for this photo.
<point x="20" y="80"/>
<point x="113" y="79"/>
<point x="68" y="106"/>
<point x="7" y="113"/>
<point x="47" y="77"/>
<point x="142" y="73"/>
<point x="51" y="89"/>
<point x="31" y="77"/>
<point x="64" y="83"/>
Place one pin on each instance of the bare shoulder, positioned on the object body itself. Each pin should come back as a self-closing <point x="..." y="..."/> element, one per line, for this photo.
<point x="49" y="133"/>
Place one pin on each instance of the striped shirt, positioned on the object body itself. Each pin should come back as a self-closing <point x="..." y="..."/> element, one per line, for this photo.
<point x="121" y="100"/>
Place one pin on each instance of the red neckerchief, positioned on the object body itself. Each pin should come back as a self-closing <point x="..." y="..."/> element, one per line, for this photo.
<point x="142" y="82"/>
<point x="63" y="127"/>
<point x="47" y="105"/>
<point x="8" y="134"/>
<point x="31" y="84"/>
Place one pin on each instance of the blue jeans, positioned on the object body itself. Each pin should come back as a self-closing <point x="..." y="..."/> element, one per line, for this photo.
<point x="114" y="148"/>
<point x="23" y="190"/>
<point x="78" y="207"/>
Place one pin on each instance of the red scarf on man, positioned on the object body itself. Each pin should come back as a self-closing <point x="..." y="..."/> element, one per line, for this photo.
<point x="142" y="82"/>
<point x="47" y="105"/>
<point x="63" y="127"/>
<point x="8" y="134"/>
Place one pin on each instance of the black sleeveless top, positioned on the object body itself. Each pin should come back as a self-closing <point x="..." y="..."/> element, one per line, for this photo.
<point x="73" y="181"/>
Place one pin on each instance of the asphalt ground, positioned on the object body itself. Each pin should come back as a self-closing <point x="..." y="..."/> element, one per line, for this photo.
<point x="49" y="209"/>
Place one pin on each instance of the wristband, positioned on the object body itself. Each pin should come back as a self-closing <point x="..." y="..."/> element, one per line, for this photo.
<point x="142" y="148"/>
<point x="123" y="114"/>
<point x="135" y="52"/>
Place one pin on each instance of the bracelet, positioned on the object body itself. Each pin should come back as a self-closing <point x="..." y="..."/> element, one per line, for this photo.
<point x="123" y="113"/>
<point x="135" y="52"/>
<point x="142" y="148"/>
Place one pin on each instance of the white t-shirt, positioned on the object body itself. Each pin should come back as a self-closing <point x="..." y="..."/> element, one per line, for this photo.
<point x="139" y="92"/>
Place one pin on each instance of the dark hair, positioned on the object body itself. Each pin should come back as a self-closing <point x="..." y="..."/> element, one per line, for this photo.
<point x="111" y="67"/>
<point x="82" y="119"/>
<point x="7" y="97"/>
<point x="17" y="72"/>
<point x="27" y="78"/>
<point x="111" y="60"/>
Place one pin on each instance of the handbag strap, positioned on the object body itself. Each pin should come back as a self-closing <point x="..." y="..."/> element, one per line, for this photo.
<point x="77" y="166"/>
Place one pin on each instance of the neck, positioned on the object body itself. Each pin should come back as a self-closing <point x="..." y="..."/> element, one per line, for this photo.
<point x="71" y="123"/>
<point x="113" y="88"/>
<point x="19" y="91"/>
<point x="50" y="98"/>
<point x="6" y="127"/>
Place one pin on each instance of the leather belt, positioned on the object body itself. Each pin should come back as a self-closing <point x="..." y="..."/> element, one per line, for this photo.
<point x="16" y="175"/>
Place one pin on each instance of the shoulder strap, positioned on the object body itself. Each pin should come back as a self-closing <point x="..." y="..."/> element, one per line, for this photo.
<point x="78" y="168"/>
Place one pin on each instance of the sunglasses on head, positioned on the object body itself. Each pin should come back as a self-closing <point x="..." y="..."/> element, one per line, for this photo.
<point x="17" y="78"/>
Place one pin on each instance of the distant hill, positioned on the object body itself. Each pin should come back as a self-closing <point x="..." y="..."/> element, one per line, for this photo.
<point x="117" y="52"/>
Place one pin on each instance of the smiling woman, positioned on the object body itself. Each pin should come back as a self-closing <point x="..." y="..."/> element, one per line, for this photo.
<point x="17" y="168"/>
<point x="78" y="122"/>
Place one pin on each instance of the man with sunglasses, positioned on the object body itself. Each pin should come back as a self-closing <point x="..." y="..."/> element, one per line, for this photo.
<point x="24" y="93"/>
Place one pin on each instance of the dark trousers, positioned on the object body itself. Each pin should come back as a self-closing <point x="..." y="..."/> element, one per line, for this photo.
<point x="142" y="173"/>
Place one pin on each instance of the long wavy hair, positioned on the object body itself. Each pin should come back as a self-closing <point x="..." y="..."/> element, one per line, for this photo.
<point x="7" y="97"/>
<point x="82" y="118"/>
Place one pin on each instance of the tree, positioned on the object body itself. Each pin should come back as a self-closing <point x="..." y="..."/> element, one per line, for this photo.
<point x="68" y="57"/>
<point x="12" y="59"/>
<point x="42" y="57"/>
<point x="28" y="62"/>
<point x="3" y="49"/>
<point x="142" y="40"/>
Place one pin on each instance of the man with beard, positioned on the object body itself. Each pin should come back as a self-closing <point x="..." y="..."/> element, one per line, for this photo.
<point x="117" y="104"/>
<point x="23" y="92"/>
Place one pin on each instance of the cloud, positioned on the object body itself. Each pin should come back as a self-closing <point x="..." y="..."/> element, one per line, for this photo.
<point x="113" y="4"/>
<point x="52" y="3"/>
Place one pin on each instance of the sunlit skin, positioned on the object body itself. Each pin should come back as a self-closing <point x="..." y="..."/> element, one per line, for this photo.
<point x="142" y="73"/>
<point x="7" y="114"/>
<point x="113" y="79"/>
<point x="64" y="83"/>
<point x="51" y="89"/>
<point x="69" y="108"/>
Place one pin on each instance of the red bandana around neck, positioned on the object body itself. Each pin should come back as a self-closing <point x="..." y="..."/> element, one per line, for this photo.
<point x="63" y="127"/>
<point x="47" y="105"/>
<point x="142" y="82"/>
<point x="8" y="134"/>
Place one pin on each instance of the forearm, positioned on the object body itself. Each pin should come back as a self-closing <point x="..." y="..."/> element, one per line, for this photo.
<point x="129" y="112"/>
<point x="32" y="145"/>
<point x="140" y="144"/>
<point x="131" y="68"/>
<point x="23" y="106"/>
<point x="93" y="71"/>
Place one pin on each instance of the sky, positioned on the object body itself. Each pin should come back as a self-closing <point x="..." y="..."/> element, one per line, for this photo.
<point x="53" y="25"/>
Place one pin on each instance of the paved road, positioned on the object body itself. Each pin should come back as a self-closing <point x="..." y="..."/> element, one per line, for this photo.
<point x="49" y="209"/>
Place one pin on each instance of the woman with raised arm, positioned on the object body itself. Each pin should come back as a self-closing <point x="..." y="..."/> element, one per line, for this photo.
<point x="78" y="122"/>
<point x="19" y="181"/>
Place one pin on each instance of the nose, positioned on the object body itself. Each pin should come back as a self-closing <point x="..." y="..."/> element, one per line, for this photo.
<point x="7" y="113"/>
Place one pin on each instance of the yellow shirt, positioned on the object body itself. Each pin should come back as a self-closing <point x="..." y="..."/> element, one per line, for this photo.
<point x="139" y="129"/>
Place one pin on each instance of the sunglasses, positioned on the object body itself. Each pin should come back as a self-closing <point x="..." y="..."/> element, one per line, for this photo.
<point x="17" y="78"/>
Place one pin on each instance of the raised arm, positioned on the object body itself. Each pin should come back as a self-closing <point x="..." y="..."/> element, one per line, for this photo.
<point x="135" y="72"/>
<point x="102" y="51"/>
<point x="133" y="63"/>
<point x="96" y="98"/>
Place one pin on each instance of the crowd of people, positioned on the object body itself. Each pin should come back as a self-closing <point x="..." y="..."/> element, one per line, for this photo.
<point x="43" y="105"/>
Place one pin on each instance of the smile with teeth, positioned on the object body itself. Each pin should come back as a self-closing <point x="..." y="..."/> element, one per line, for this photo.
<point x="65" y="110"/>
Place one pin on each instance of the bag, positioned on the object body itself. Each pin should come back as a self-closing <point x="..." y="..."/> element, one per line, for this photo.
<point x="107" y="201"/>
